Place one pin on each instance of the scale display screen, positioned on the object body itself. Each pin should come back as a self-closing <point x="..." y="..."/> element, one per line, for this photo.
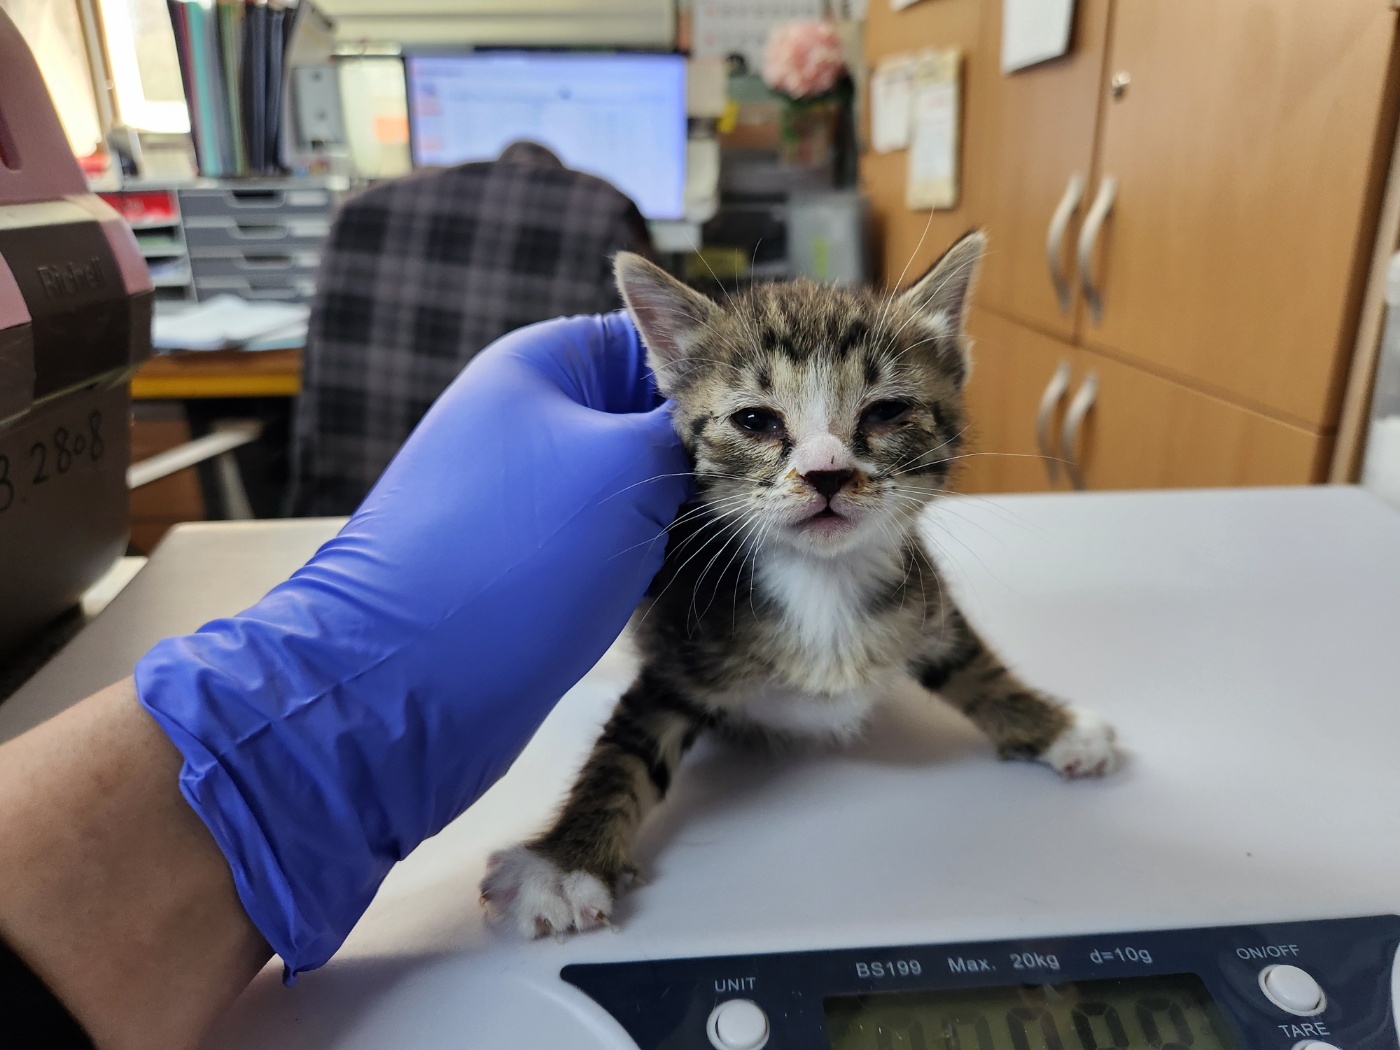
<point x="1168" y="1012"/>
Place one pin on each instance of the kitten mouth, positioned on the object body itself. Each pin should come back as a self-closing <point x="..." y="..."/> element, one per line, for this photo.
<point x="825" y="521"/>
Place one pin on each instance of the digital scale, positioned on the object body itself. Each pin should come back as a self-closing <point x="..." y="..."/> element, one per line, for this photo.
<point x="1234" y="887"/>
<point x="1210" y="989"/>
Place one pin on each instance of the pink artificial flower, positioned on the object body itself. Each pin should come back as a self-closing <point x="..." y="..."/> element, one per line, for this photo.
<point x="803" y="59"/>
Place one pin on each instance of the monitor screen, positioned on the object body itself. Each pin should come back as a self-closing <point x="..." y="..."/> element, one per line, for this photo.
<point x="618" y="116"/>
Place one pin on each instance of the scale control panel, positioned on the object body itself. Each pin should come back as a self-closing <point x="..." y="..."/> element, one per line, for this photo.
<point x="1322" y="985"/>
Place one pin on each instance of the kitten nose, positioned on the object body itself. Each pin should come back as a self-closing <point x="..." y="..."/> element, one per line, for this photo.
<point x="828" y="482"/>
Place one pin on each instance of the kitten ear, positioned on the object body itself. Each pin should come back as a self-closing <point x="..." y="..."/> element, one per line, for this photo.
<point x="947" y="287"/>
<point x="669" y="315"/>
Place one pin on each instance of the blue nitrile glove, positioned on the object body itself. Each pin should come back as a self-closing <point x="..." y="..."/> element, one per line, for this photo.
<point x="366" y="702"/>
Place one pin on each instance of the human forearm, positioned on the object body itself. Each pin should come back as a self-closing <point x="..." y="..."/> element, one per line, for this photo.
<point x="111" y="888"/>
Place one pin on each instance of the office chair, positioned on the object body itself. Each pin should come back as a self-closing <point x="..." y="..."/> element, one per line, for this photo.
<point x="420" y="274"/>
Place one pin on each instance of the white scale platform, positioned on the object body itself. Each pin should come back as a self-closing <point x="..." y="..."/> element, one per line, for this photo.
<point x="1246" y="644"/>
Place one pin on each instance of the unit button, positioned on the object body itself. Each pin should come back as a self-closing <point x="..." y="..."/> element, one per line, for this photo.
<point x="737" y="1024"/>
<point x="1292" y="989"/>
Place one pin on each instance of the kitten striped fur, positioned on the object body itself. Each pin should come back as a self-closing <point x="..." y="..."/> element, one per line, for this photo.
<point x="821" y="422"/>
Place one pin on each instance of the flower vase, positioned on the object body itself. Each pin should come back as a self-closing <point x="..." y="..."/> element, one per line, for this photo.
<point x="808" y="133"/>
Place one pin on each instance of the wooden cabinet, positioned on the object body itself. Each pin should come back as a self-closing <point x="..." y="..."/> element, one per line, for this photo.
<point x="1046" y="414"/>
<point x="1142" y="431"/>
<point x="1232" y="158"/>
<point x="1242" y="147"/>
<point x="1031" y="151"/>
<point x="1006" y="445"/>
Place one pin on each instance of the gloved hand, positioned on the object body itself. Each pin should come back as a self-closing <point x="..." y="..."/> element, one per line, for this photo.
<point x="366" y="702"/>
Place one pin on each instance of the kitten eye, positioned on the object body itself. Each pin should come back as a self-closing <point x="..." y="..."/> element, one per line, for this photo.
<point x="886" y="413"/>
<point x="758" y="421"/>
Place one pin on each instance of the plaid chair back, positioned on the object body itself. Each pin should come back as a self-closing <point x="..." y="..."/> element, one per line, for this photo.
<point x="420" y="274"/>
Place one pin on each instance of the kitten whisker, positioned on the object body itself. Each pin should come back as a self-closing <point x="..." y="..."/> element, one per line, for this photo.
<point x="895" y="289"/>
<point x="960" y="456"/>
<point x="656" y="601"/>
<point x="911" y="463"/>
<point x="944" y="505"/>
<point x="910" y="348"/>
<point x="738" y="550"/>
<point x="906" y="465"/>
<point x="676" y="474"/>
<point x="733" y="307"/>
<point x="739" y="534"/>
<point x="682" y="519"/>
<point x="1013" y="455"/>
<point x="714" y="361"/>
<point x="763" y="537"/>
<point x="918" y="314"/>
<point x="755" y="546"/>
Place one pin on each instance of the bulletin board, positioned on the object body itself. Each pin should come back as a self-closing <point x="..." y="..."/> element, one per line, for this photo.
<point x="911" y="239"/>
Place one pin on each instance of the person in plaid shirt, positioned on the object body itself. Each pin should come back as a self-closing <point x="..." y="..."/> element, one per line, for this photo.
<point x="419" y="275"/>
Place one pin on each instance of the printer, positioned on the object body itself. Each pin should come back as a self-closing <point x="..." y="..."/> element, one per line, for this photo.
<point x="75" y="320"/>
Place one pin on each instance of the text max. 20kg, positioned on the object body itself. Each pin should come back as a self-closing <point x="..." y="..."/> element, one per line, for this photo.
<point x="1034" y="961"/>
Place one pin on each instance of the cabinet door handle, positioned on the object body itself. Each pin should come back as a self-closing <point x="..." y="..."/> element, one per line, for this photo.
<point x="1088" y="238"/>
<point x="1078" y="408"/>
<point x="1044" y="437"/>
<point x="1055" y="238"/>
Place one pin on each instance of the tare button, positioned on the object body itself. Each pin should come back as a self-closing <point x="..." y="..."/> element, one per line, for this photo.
<point x="737" y="1024"/>
<point x="1293" y="989"/>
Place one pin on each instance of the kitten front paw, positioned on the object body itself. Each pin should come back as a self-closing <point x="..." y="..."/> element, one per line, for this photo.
<point x="528" y="889"/>
<point x="1086" y="749"/>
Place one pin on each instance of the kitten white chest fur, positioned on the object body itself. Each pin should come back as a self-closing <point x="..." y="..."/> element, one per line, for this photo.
<point x="836" y="660"/>
<point x="839" y="717"/>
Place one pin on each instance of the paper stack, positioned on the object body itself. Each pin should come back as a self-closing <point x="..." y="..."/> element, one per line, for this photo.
<point x="226" y="322"/>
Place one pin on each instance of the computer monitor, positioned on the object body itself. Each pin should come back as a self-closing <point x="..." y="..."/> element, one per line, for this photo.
<point x="618" y="116"/>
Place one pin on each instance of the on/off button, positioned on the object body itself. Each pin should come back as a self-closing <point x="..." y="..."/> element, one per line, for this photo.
<point x="1293" y="989"/>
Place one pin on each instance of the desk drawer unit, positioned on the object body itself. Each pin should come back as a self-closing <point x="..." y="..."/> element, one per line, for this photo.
<point x="260" y="241"/>
<point x="279" y="287"/>
<point x="253" y="263"/>
<point x="229" y="236"/>
<point x="257" y="204"/>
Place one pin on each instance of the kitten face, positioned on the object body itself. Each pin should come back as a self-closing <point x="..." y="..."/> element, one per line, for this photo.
<point x="819" y="419"/>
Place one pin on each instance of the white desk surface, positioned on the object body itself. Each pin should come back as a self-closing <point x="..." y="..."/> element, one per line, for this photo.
<point x="200" y="571"/>
<point x="1246" y="643"/>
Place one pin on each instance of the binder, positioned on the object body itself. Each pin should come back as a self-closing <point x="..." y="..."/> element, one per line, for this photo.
<point x="272" y="98"/>
<point x="255" y="84"/>
<point x="233" y="65"/>
<point x="231" y="13"/>
<point x="199" y="94"/>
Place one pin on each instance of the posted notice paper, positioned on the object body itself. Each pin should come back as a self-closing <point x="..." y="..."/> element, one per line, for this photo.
<point x="1034" y="31"/>
<point x="932" y="181"/>
<point x="891" y="103"/>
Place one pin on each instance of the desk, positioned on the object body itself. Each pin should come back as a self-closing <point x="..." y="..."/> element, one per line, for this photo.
<point x="1242" y="640"/>
<point x="219" y="373"/>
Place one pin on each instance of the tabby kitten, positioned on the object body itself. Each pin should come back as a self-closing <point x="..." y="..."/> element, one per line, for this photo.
<point x="821" y="422"/>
